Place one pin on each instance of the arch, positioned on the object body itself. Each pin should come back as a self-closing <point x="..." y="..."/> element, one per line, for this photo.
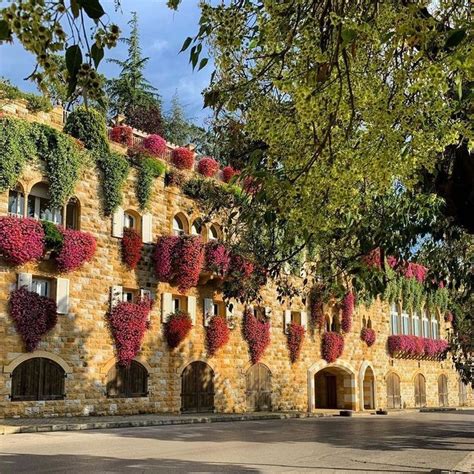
<point x="16" y="200"/>
<point x="214" y="232"/>
<point x="350" y="382"/>
<point x="419" y="381"/>
<point x="259" y="387"/>
<point x="369" y="389"/>
<point x="198" y="227"/>
<point x="393" y="390"/>
<point x="39" y="204"/>
<point x="8" y="369"/>
<point x="197" y="388"/>
<point x="127" y="381"/>
<point x="112" y="361"/>
<point x="443" y="393"/>
<point x="180" y="224"/>
<point x="210" y="363"/>
<point x="132" y="220"/>
<point x="72" y="214"/>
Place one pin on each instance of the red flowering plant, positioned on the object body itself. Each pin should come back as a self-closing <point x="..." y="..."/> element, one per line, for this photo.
<point x="155" y="145"/>
<point x="128" y="323"/>
<point x="208" y="166"/>
<point x="122" y="134"/>
<point x="368" y="336"/>
<point x="33" y="316"/>
<point x="177" y="328"/>
<point x="332" y="346"/>
<point x="415" y="270"/>
<point x="131" y="247"/>
<point x="347" y="311"/>
<point x="217" y="334"/>
<point x="164" y="255"/>
<point x="182" y="158"/>
<point x="216" y="257"/>
<point x="257" y="335"/>
<point x="77" y="248"/>
<point x="295" y="338"/>
<point x="228" y="173"/>
<point x="316" y="304"/>
<point x="21" y="240"/>
<point x="449" y="317"/>
<point x="414" y="346"/>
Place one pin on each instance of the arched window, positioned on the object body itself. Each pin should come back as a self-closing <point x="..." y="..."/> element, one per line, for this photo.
<point x="336" y="325"/>
<point x="405" y="323"/>
<point x="416" y="324"/>
<point x="72" y="214"/>
<point x="394" y="319"/>
<point x="16" y="202"/>
<point x="178" y="225"/>
<point x="127" y="382"/>
<point x="327" y="324"/>
<point x="434" y="326"/>
<point x="425" y="324"/>
<point x="214" y="232"/>
<point x="131" y="220"/>
<point x="196" y="228"/>
<point x="39" y="205"/>
<point x="38" y="378"/>
<point x="369" y="324"/>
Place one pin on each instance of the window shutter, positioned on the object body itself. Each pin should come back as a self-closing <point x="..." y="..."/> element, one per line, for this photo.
<point x="62" y="295"/>
<point x="304" y="319"/>
<point x="25" y="279"/>
<point x="208" y="310"/>
<point x="166" y="306"/>
<point x="118" y="222"/>
<point x="145" y="293"/>
<point x="115" y="295"/>
<point x="287" y="320"/>
<point x="192" y="308"/>
<point x="147" y="236"/>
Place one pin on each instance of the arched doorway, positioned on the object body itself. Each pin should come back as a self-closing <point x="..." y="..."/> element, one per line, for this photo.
<point x="197" y="388"/>
<point x="259" y="388"/>
<point x="420" y="391"/>
<point x="393" y="391"/>
<point x="334" y="387"/>
<point x="443" y="390"/>
<point x="368" y="389"/>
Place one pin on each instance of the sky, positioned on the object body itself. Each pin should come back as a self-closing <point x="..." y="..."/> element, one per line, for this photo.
<point x="162" y="33"/>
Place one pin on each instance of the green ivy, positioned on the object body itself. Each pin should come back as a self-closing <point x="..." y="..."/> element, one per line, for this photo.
<point x="148" y="169"/>
<point x="53" y="238"/>
<point x="115" y="168"/>
<point x="438" y="299"/>
<point x="34" y="103"/>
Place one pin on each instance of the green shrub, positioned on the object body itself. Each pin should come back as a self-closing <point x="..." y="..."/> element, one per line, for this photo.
<point x="53" y="239"/>
<point x="115" y="168"/>
<point x="34" y="103"/>
<point x="149" y="169"/>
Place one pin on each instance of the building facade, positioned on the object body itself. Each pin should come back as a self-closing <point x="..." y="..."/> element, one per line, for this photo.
<point x="74" y="372"/>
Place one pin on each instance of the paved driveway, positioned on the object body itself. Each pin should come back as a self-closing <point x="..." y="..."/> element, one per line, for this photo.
<point x="421" y="442"/>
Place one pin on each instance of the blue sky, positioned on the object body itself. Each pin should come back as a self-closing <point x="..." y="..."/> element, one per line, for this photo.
<point x="162" y="34"/>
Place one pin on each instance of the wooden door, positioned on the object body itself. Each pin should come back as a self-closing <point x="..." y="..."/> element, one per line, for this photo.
<point x="443" y="390"/>
<point x="197" y="388"/>
<point x="393" y="391"/>
<point x="331" y="390"/>
<point x="420" y="391"/>
<point x="462" y="394"/>
<point x="259" y="388"/>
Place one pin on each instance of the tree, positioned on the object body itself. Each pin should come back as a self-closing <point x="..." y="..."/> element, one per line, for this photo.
<point x="131" y="94"/>
<point x="177" y="127"/>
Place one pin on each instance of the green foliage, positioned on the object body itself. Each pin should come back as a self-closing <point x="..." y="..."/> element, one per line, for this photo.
<point x="34" y="103"/>
<point x="149" y="168"/>
<point x="53" y="238"/>
<point x="115" y="168"/>
<point x="22" y="141"/>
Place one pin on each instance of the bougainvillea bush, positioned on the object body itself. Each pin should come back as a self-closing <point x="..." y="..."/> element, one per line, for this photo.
<point x="78" y="248"/>
<point x="295" y="338"/>
<point x="165" y="250"/>
<point x="21" y="240"/>
<point x="243" y="280"/>
<point x="177" y="328"/>
<point x="122" y="134"/>
<point x="208" y="166"/>
<point x="128" y="323"/>
<point x="332" y="346"/>
<point x="257" y="335"/>
<point x="317" y="309"/>
<point x="216" y="257"/>
<point x="368" y="336"/>
<point x="347" y="311"/>
<point x="415" y="346"/>
<point x="182" y="158"/>
<point x="217" y="334"/>
<point x="33" y="316"/>
<point x="155" y="144"/>
<point x="228" y="173"/>
<point x="131" y="247"/>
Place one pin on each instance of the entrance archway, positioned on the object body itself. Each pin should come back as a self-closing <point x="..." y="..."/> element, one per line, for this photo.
<point x="197" y="388"/>
<point x="259" y="388"/>
<point x="368" y="389"/>
<point x="420" y="390"/>
<point x="334" y="388"/>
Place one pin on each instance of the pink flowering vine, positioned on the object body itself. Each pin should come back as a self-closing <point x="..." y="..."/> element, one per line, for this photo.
<point x="415" y="346"/>
<point x="177" y="328"/>
<point x="217" y="334"/>
<point x="332" y="346"/>
<point x="368" y="336"/>
<point x="182" y="158"/>
<point x="122" y="134"/>
<point x="228" y="173"/>
<point x="77" y="248"/>
<point x="132" y="245"/>
<point x="216" y="257"/>
<point x="347" y="311"/>
<point x="189" y="262"/>
<point x="295" y="338"/>
<point x="155" y="145"/>
<point x="317" y="309"/>
<point x="257" y="335"/>
<point x="165" y="252"/>
<point x="208" y="166"/>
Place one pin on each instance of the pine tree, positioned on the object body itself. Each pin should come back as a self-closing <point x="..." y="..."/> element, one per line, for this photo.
<point x="177" y="128"/>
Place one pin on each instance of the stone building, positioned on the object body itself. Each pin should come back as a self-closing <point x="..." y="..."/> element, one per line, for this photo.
<point x="74" y="371"/>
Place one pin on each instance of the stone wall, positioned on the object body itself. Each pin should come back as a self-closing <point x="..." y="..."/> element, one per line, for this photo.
<point x="81" y="339"/>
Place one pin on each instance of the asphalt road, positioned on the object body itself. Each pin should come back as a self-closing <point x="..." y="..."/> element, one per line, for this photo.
<point x="421" y="442"/>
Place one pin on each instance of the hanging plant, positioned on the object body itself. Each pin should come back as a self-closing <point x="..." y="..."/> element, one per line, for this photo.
<point x="177" y="328"/>
<point x="228" y="173"/>
<point x="155" y="144"/>
<point x="257" y="335"/>
<point x="217" y="334"/>
<point x="21" y="240"/>
<point x="368" y="336"/>
<point x="190" y="262"/>
<point x="416" y="346"/>
<point x="77" y="248"/>
<point x="295" y="338"/>
<point x="182" y="158"/>
<point x="332" y="346"/>
<point x="347" y="311"/>
<point x="131" y="247"/>
<point x="208" y="166"/>
<point x="148" y="170"/>
<point x="216" y="257"/>
<point x="122" y="134"/>
<point x="317" y="309"/>
<point x="243" y="280"/>
<point x="128" y="323"/>
<point x="165" y="252"/>
<point x="33" y="316"/>
<point x="53" y="238"/>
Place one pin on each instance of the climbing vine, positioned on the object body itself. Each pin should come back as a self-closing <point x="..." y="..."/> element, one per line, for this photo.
<point x="148" y="169"/>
